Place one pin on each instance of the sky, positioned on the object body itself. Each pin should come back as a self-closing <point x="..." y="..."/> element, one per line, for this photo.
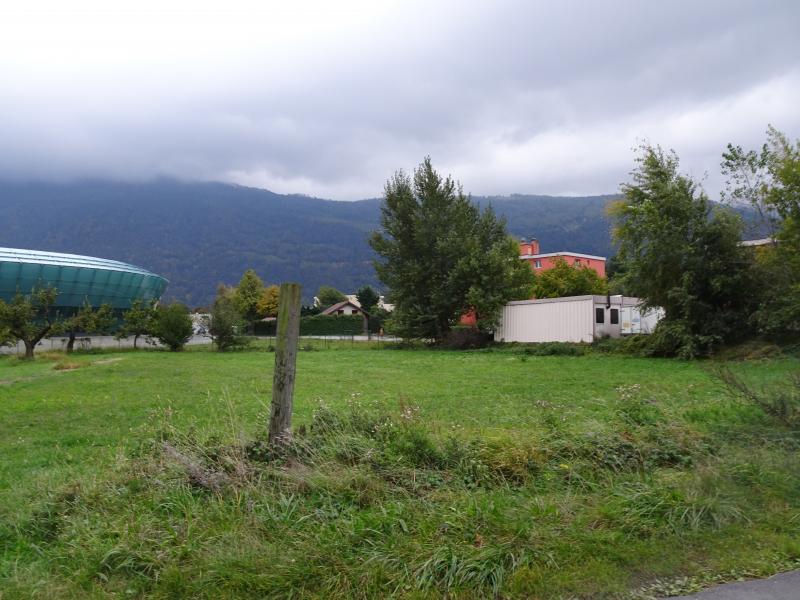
<point x="329" y="98"/>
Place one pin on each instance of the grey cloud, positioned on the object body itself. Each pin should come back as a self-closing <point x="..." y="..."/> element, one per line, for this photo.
<point x="508" y="96"/>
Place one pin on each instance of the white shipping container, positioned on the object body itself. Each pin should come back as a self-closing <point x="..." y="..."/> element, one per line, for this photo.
<point x="574" y="319"/>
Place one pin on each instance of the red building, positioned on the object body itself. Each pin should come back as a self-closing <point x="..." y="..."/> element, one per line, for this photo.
<point x="531" y="253"/>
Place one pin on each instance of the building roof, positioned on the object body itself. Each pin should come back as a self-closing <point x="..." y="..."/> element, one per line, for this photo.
<point x="760" y="242"/>
<point x="67" y="260"/>
<point x="332" y="309"/>
<point x="614" y="300"/>
<point x="549" y="254"/>
<point x="78" y="279"/>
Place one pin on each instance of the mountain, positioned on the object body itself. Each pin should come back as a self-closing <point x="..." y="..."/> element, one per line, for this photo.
<point x="200" y="234"/>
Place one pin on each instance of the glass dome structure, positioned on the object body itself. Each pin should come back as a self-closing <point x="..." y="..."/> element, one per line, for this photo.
<point x="78" y="279"/>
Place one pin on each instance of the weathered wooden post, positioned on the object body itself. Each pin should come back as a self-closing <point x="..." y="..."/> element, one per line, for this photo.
<point x="288" y="332"/>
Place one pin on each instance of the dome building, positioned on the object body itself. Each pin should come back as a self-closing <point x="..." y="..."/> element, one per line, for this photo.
<point x="78" y="279"/>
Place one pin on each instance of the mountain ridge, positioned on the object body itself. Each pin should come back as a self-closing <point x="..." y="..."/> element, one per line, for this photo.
<point x="200" y="234"/>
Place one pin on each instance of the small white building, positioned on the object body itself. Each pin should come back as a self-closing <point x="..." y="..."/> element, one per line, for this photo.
<point x="574" y="319"/>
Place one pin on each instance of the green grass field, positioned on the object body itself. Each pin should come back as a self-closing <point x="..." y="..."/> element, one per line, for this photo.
<point x="415" y="473"/>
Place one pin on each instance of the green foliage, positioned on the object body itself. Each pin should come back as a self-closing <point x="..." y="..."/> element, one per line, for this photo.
<point x="172" y="326"/>
<point x="368" y="298"/>
<point x="267" y="305"/>
<point x="441" y="256"/>
<point x="564" y="279"/>
<point x="683" y="255"/>
<point x="320" y="325"/>
<point x="225" y="324"/>
<point x="88" y="320"/>
<point x="328" y="296"/>
<point x="247" y="295"/>
<point x="781" y="402"/>
<point x="138" y="321"/>
<point x="769" y="180"/>
<point x="29" y="317"/>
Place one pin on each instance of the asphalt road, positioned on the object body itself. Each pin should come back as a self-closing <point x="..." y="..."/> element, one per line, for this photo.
<point x="784" y="586"/>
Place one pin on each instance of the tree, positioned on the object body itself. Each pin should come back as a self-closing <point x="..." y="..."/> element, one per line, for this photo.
<point x="267" y="305"/>
<point x="86" y="320"/>
<point x="29" y="317"/>
<point x="682" y="254"/>
<point x="441" y="256"/>
<point x="368" y="299"/>
<point x="328" y="296"/>
<point x="769" y="180"/>
<point x="172" y="326"/>
<point x="225" y="324"/>
<point x="568" y="280"/>
<point x="138" y="321"/>
<point x="247" y="295"/>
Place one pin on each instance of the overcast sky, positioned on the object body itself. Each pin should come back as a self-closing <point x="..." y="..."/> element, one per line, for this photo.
<point x="328" y="98"/>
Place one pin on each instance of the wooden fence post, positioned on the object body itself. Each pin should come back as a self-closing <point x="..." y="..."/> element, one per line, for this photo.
<point x="287" y="334"/>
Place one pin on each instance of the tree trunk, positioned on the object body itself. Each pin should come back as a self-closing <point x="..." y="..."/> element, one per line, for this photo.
<point x="280" y="422"/>
<point x="29" y="347"/>
<point x="71" y="342"/>
<point x="135" y="339"/>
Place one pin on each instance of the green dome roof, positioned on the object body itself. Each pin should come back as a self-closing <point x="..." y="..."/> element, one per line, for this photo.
<point x="77" y="278"/>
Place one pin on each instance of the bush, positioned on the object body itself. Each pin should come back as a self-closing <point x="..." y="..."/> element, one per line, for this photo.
<point x="319" y="325"/>
<point x="173" y="326"/>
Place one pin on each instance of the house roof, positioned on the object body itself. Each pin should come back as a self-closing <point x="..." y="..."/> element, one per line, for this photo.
<point x="332" y="309"/>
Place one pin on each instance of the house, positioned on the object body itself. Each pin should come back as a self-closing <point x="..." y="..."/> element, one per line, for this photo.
<point x="346" y="307"/>
<point x="354" y="301"/>
<point x="381" y="302"/>
<point x="531" y="253"/>
<point x="574" y="319"/>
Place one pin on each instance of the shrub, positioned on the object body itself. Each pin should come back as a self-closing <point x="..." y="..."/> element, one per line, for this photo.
<point x="466" y="338"/>
<point x="225" y="325"/>
<point x="173" y="326"/>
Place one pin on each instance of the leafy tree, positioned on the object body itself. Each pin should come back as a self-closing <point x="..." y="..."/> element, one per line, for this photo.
<point x="87" y="320"/>
<point x="172" y="326"/>
<point x="6" y="339"/>
<point x="682" y="254"/>
<point x="367" y="298"/>
<point x="225" y="324"/>
<point x="267" y="305"/>
<point x="138" y="321"/>
<point x="29" y="317"/>
<point x="568" y="280"/>
<point x="769" y="180"/>
<point x="328" y="296"/>
<point x="247" y="295"/>
<point x="441" y="256"/>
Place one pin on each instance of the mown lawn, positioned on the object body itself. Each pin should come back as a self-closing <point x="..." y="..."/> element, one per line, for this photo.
<point x="415" y="473"/>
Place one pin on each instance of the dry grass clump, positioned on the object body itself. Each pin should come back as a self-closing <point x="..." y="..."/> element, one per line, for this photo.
<point x="68" y="365"/>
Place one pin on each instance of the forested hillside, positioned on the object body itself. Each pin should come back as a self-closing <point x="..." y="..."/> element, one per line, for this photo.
<point x="200" y="234"/>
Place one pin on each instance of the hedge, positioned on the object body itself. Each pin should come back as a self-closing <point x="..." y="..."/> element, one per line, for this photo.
<point x="320" y="325"/>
